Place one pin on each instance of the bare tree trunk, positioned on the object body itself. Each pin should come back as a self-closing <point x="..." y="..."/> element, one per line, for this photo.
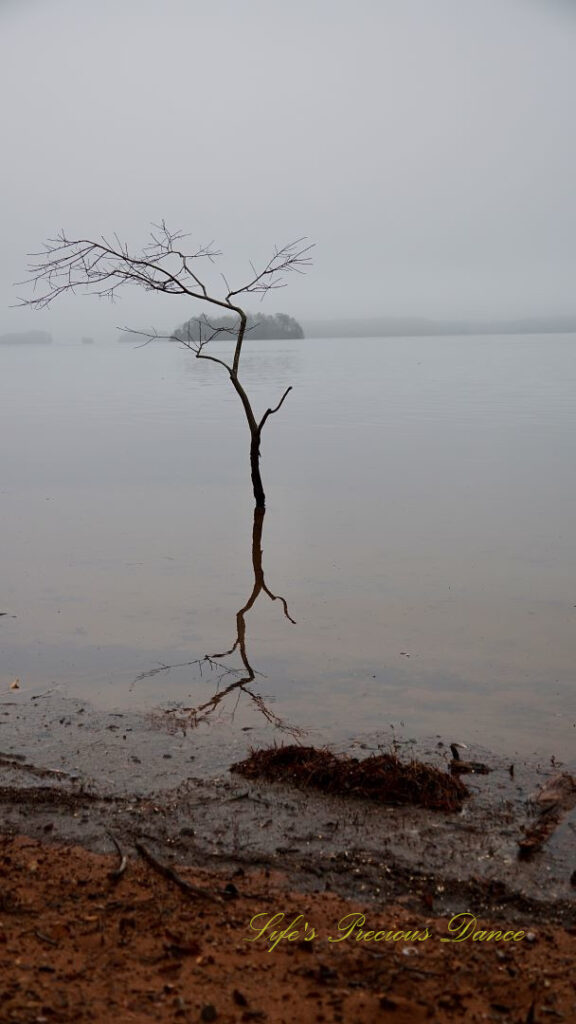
<point x="255" y="433"/>
<point x="259" y="495"/>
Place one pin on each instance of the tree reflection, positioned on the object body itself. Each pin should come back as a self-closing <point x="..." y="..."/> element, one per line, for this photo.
<point x="239" y="679"/>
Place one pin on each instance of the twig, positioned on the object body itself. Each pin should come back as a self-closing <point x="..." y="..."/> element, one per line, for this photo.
<point x="167" y="872"/>
<point x="15" y="762"/>
<point x="119" y="871"/>
<point x="45" y="938"/>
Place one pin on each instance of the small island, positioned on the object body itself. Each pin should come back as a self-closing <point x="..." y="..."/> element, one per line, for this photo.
<point x="269" y="328"/>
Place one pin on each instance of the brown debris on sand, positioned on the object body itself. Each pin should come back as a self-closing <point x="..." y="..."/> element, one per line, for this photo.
<point x="556" y="797"/>
<point x="382" y="777"/>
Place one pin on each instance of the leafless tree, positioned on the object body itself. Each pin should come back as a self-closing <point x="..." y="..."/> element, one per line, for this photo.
<point x="104" y="267"/>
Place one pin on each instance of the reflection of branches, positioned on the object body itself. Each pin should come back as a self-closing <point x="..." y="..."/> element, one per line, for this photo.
<point x="206" y="660"/>
<point x="195" y="715"/>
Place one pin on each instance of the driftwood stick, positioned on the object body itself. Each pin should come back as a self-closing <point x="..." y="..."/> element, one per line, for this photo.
<point x="167" y="872"/>
<point x="551" y="803"/>
<point x="119" y="871"/>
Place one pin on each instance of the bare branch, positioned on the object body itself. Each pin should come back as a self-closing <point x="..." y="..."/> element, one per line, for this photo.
<point x="149" y="336"/>
<point x="270" y="412"/>
<point x="102" y="267"/>
<point x="293" y="257"/>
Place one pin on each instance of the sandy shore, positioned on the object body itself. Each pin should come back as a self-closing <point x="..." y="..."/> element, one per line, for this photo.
<point x="79" y="945"/>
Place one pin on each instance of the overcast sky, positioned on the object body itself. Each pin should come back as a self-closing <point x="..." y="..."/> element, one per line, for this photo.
<point x="428" y="147"/>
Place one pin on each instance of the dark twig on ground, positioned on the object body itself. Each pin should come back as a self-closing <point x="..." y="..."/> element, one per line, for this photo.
<point x="167" y="872"/>
<point x="119" y="871"/>
<point x="461" y="767"/>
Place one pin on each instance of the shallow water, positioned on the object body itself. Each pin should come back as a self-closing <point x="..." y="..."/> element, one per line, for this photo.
<point x="420" y="522"/>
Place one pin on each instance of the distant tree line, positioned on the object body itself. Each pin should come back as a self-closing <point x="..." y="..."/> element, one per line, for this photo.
<point x="419" y="327"/>
<point x="278" y="325"/>
<point x="26" y="338"/>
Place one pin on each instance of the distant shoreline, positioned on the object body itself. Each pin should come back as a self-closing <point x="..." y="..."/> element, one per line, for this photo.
<point x="26" y="338"/>
<point x="405" y="327"/>
<point x="402" y="327"/>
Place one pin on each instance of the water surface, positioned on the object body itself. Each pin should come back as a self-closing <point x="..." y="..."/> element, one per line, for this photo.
<point x="420" y="527"/>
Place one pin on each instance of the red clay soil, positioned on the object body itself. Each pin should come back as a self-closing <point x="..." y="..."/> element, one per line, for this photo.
<point x="77" y="945"/>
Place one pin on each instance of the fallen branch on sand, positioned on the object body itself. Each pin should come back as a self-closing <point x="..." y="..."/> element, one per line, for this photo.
<point x="384" y="777"/>
<point x="123" y="863"/>
<point x="167" y="872"/>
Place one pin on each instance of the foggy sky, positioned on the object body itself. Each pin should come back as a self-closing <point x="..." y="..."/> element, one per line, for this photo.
<point x="427" y="148"/>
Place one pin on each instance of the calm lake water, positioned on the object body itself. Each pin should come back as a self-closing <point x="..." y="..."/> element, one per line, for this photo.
<point x="420" y="526"/>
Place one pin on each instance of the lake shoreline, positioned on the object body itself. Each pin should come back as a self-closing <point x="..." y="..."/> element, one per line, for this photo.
<point x="75" y="775"/>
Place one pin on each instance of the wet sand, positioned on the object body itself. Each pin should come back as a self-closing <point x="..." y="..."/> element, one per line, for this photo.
<point x="75" y="775"/>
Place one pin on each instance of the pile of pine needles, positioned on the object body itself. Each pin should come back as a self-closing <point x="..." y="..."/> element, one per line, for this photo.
<point x="382" y="777"/>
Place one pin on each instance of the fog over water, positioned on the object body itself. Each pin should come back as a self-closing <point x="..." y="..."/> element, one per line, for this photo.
<point x="428" y="149"/>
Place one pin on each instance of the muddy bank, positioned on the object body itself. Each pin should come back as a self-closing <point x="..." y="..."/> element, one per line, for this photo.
<point x="69" y="774"/>
<point x="78" y="943"/>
